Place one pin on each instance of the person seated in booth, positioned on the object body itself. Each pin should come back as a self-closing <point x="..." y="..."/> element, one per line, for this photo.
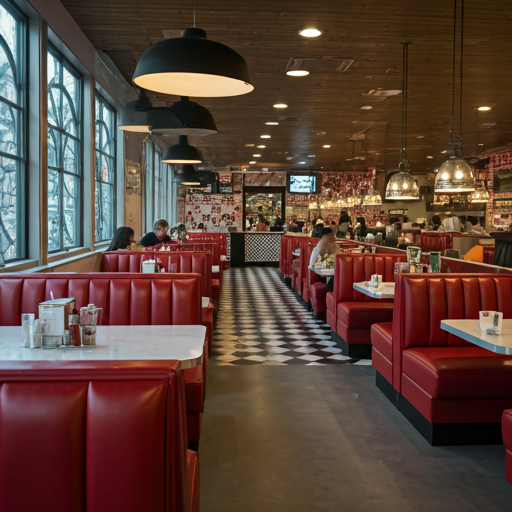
<point x="326" y="245"/>
<point x="122" y="239"/>
<point x="158" y="235"/>
<point x="476" y="228"/>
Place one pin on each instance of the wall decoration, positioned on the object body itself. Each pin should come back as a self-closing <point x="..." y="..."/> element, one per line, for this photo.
<point x="213" y="212"/>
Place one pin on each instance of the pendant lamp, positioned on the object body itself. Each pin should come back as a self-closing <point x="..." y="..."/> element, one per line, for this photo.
<point x="187" y="175"/>
<point x="455" y="175"/>
<point x="195" y="119"/>
<point x="480" y="194"/>
<point x="182" y="153"/>
<point x="193" y="65"/>
<point x="402" y="186"/>
<point x="134" y="115"/>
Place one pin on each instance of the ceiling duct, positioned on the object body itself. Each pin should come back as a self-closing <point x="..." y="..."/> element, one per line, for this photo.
<point x="319" y="64"/>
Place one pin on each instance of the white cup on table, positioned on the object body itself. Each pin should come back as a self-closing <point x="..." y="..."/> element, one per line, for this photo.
<point x="490" y="322"/>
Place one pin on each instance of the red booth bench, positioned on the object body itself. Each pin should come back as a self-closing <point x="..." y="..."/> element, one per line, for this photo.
<point x="506" y="423"/>
<point x="93" y="435"/>
<point x="350" y="314"/>
<point x="172" y="261"/>
<point x="452" y="391"/>
<point x="126" y="299"/>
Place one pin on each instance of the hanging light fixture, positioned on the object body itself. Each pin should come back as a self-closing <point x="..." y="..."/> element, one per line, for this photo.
<point x="480" y="194"/>
<point x="402" y="186"/>
<point x="373" y="199"/>
<point x="182" y="153"/>
<point x="188" y="176"/>
<point x="455" y="175"/>
<point x="193" y="65"/>
<point x="195" y="119"/>
<point x="134" y="115"/>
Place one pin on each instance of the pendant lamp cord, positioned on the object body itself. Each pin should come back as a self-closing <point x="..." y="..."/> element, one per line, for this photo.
<point x="194" y="13"/>
<point x="405" y="75"/>
<point x="461" y="68"/>
<point x="453" y="68"/>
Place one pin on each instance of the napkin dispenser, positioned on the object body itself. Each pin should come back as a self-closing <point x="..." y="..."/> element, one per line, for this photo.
<point x="56" y="312"/>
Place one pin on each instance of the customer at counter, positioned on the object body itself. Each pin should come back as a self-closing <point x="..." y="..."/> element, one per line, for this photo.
<point x="278" y="225"/>
<point x="158" y="235"/>
<point x="360" y="229"/>
<point x="343" y="225"/>
<point x="436" y="222"/>
<point x="262" y="225"/>
<point x="317" y="230"/>
<point x="122" y="239"/>
<point x="476" y="228"/>
<point x="392" y="230"/>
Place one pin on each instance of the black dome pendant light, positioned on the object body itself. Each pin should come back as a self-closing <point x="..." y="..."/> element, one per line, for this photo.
<point x="182" y="153"/>
<point x="188" y="176"/>
<point x="193" y="65"/>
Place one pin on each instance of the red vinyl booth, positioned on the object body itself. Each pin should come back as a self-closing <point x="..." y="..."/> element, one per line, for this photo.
<point x="452" y="391"/>
<point x="95" y="435"/>
<point x="300" y="264"/>
<point x="172" y="261"/>
<point x="506" y="423"/>
<point x="350" y="313"/>
<point x="219" y="239"/>
<point x="289" y="243"/>
<point x="126" y="299"/>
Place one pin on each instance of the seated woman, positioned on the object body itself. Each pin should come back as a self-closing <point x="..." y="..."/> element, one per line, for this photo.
<point x="122" y="239"/>
<point x="343" y="225"/>
<point x="158" y="235"/>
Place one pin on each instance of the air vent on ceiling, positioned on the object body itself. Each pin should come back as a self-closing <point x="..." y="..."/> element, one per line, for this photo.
<point x="381" y="92"/>
<point x="171" y="34"/>
<point x="319" y="64"/>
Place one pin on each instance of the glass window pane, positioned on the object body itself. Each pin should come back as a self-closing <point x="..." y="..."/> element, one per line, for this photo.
<point x="105" y="170"/>
<point x="12" y="102"/>
<point x="64" y="154"/>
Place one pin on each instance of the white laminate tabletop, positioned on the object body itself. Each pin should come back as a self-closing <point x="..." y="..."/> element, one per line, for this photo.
<point x="469" y="331"/>
<point x="324" y="272"/>
<point x="384" y="291"/>
<point x="215" y="268"/>
<point x="183" y="343"/>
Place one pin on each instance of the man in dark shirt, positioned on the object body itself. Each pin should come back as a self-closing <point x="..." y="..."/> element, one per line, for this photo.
<point x="158" y="235"/>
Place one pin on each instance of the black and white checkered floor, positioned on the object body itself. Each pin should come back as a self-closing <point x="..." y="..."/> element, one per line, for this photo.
<point x="260" y="321"/>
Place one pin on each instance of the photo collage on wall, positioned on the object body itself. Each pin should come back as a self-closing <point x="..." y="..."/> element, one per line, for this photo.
<point x="213" y="212"/>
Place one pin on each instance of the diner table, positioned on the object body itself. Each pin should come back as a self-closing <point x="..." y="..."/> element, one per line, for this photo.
<point x="469" y="330"/>
<point x="183" y="343"/>
<point x="296" y="252"/>
<point x="383" y="291"/>
<point x="324" y="272"/>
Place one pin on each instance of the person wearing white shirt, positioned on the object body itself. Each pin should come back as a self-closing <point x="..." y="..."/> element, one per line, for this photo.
<point x="326" y="245"/>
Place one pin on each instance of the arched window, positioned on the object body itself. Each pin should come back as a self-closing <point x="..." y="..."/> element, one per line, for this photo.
<point x="12" y="144"/>
<point x="105" y="144"/>
<point x="64" y="154"/>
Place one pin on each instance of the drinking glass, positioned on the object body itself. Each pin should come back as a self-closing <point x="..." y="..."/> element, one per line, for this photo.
<point x="27" y="328"/>
<point x="402" y="267"/>
<point x="413" y="254"/>
<point x="491" y="321"/>
<point x="435" y="261"/>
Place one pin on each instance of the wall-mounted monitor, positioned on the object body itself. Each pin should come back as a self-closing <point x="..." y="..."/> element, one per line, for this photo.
<point x="297" y="183"/>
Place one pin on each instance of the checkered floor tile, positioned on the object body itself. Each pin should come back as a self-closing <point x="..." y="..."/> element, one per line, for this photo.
<point x="260" y="321"/>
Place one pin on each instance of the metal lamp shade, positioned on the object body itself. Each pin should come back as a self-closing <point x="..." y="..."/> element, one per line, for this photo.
<point x="196" y="119"/>
<point x="182" y="153"/>
<point x="133" y="120"/>
<point x="480" y="195"/>
<point x="454" y="175"/>
<point x="193" y="65"/>
<point x="187" y="176"/>
<point x="402" y="187"/>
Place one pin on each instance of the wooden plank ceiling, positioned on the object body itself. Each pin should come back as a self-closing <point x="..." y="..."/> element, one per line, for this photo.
<point x="325" y="107"/>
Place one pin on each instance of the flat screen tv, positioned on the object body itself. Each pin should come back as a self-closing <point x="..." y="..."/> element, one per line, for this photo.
<point x="303" y="183"/>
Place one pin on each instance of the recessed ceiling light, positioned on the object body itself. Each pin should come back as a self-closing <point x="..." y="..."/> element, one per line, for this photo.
<point x="444" y="151"/>
<point x="311" y="156"/>
<point x="280" y="105"/>
<point x="265" y="169"/>
<point x="310" y="32"/>
<point x="326" y="146"/>
<point x="484" y="108"/>
<point x="252" y="163"/>
<point x="297" y="72"/>
<point x="256" y="155"/>
<point x="265" y="136"/>
<point x="249" y="145"/>
<point x="261" y="146"/>
<point x="321" y="133"/>
<point x="288" y="158"/>
<point x="480" y="144"/>
<point x="366" y="107"/>
<point x="420" y="136"/>
<point x="272" y="123"/>
<point x="302" y="162"/>
<point x="430" y="157"/>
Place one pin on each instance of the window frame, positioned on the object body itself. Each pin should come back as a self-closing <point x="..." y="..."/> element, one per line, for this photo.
<point x="65" y="63"/>
<point x="109" y="106"/>
<point x="21" y="159"/>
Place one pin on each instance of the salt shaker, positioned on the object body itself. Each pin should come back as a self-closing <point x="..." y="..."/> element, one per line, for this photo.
<point x="27" y="329"/>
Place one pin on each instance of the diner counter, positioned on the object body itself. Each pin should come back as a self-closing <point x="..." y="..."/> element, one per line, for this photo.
<point x="255" y="247"/>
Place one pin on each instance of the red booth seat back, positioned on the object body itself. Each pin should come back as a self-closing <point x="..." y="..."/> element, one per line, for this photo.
<point x="355" y="268"/>
<point x="126" y="299"/>
<point x="173" y="261"/>
<point x="219" y="239"/>
<point x="423" y="300"/>
<point x="90" y="436"/>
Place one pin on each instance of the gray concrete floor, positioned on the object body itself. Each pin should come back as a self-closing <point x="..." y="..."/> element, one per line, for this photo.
<point x="311" y="438"/>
